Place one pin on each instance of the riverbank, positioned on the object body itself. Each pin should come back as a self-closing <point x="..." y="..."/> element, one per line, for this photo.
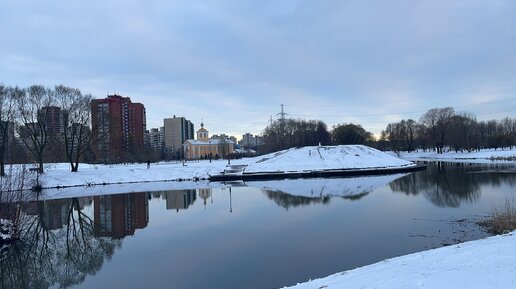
<point x="311" y="160"/>
<point x="485" y="263"/>
<point x="482" y="156"/>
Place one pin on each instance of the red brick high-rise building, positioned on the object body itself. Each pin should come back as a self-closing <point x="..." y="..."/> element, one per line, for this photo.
<point x="118" y="127"/>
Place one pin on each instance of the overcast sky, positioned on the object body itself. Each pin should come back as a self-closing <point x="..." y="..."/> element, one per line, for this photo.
<point x="232" y="63"/>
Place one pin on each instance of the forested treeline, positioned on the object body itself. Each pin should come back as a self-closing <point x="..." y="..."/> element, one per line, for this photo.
<point x="438" y="129"/>
<point x="443" y="128"/>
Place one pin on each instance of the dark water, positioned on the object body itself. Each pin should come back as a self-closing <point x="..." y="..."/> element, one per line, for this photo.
<point x="247" y="237"/>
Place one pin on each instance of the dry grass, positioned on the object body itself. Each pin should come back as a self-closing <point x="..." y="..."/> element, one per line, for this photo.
<point x="502" y="220"/>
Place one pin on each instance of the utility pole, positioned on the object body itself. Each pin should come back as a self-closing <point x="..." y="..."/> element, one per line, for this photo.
<point x="282" y="114"/>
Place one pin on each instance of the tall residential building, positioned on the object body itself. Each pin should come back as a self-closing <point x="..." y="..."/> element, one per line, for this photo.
<point x="157" y="138"/>
<point x="118" y="127"/>
<point x="177" y="130"/>
<point x="250" y="141"/>
<point x="51" y="119"/>
<point x="6" y="127"/>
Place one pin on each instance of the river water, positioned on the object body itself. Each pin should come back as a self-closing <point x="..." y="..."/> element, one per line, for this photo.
<point x="248" y="235"/>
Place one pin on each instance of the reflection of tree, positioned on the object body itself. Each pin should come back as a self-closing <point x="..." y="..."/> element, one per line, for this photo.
<point x="447" y="185"/>
<point x="63" y="256"/>
<point x="286" y="200"/>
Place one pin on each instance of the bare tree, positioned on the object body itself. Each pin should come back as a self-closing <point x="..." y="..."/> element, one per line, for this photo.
<point x="436" y="122"/>
<point x="287" y="133"/>
<point x="7" y="109"/>
<point x="76" y="120"/>
<point x="33" y="105"/>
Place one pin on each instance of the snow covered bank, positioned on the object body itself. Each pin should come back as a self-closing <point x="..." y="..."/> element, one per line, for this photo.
<point x="483" y="156"/>
<point x="486" y="263"/>
<point x="314" y="158"/>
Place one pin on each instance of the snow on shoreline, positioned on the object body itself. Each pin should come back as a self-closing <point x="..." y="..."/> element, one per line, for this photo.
<point x="485" y="263"/>
<point x="482" y="156"/>
<point x="296" y="159"/>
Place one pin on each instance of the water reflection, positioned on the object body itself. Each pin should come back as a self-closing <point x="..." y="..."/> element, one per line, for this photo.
<point x="448" y="185"/>
<point x="57" y="245"/>
<point x="303" y="192"/>
<point x="62" y="242"/>
<point x="117" y="216"/>
<point x="287" y="201"/>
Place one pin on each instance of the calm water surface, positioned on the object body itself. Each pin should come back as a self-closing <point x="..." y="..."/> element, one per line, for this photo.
<point x="268" y="236"/>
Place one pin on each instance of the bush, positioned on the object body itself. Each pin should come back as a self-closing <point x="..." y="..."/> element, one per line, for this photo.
<point x="502" y="220"/>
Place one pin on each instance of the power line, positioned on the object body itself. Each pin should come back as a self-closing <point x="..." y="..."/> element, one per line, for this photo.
<point x="399" y="113"/>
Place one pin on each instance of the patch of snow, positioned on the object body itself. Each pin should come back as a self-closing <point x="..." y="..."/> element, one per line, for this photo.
<point x="486" y="263"/>
<point x="482" y="156"/>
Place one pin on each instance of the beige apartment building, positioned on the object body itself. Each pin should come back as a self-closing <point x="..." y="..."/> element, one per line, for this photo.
<point x="177" y="130"/>
<point x="204" y="147"/>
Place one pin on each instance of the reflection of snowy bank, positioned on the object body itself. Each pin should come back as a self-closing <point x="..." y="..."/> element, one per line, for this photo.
<point x="96" y="190"/>
<point x="319" y="188"/>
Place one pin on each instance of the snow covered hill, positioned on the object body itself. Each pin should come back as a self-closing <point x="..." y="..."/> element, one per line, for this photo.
<point x="325" y="158"/>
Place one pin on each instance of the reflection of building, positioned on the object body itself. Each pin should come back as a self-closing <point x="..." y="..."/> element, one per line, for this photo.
<point x="117" y="216"/>
<point x="204" y="147"/>
<point x="181" y="199"/>
<point x="55" y="213"/>
<point x="8" y="210"/>
<point x="204" y="194"/>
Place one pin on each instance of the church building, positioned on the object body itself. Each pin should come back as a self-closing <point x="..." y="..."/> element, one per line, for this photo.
<point x="205" y="148"/>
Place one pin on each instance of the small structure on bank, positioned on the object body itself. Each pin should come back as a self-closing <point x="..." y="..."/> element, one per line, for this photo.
<point x="205" y="148"/>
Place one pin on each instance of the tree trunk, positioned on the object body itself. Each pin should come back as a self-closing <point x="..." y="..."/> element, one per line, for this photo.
<point x="40" y="161"/>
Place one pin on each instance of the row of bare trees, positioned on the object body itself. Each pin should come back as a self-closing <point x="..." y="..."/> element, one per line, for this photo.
<point x="437" y="129"/>
<point x="288" y="133"/>
<point x="44" y="119"/>
<point x="441" y="128"/>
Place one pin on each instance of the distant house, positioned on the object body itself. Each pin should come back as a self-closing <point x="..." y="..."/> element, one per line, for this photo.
<point x="204" y="147"/>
